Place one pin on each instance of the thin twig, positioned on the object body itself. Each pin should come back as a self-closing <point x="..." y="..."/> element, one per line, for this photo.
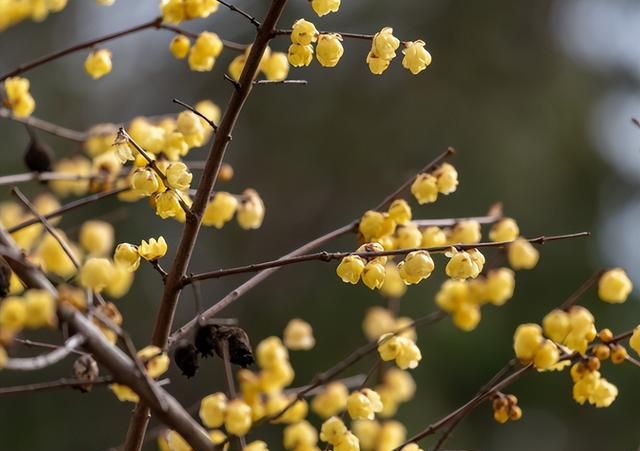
<point x="156" y="265"/>
<point x="330" y="256"/>
<point x="43" y="361"/>
<point x="53" y="385"/>
<point x="45" y="126"/>
<point x="46" y="176"/>
<point x="248" y="16"/>
<point x="280" y="82"/>
<point x="196" y="112"/>
<point x="39" y="344"/>
<point x="575" y="297"/>
<point x="345" y="34"/>
<point x="227" y="44"/>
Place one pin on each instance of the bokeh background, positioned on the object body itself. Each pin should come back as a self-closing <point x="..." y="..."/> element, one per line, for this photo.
<point x="536" y="97"/>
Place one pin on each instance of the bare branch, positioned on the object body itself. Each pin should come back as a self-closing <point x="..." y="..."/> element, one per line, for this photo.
<point x="49" y="127"/>
<point x="248" y="16"/>
<point x="52" y="385"/>
<point x="197" y="113"/>
<point x="43" y="361"/>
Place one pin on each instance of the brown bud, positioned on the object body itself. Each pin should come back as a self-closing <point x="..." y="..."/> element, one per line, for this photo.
<point x="602" y="352"/>
<point x="593" y="364"/>
<point x="186" y="358"/>
<point x="226" y="172"/>
<point x="85" y="369"/>
<point x="605" y="335"/>
<point x="618" y="354"/>
<point x="39" y="156"/>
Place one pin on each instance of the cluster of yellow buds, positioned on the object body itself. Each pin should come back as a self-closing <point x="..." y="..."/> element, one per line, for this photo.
<point x="249" y="210"/>
<point x="331" y="400"/>
<point x="298" y="335"/>
<point x="403" y="350"/>
<point x="98" y="63"/>
<point x="203" y="53"/>
<point x="18" y="97"/>
<point x="397" y="387"/>
<point x="127" y="256"/>
<point x="301" y="436"/>
<point x="464" y="264"/>
<point x="364" y="404"/>
<point x="15" y="11"/>
<point x="216" y="410"/>
<point x="505" y="408"/>
<point x="531" y="347"/>
<point x="274" y="65"/>
<point x="379" y="321"/>
<point x="176" y="11"/>
<point x="155" y="363"/>
<point x="574" y="329"/>
<point x="73" y="166"/>
<point x="328" y="50"/>
<point x="464" y="298"/>
<point x="614" y="286"/>
<point x="334" y="432"/>
<point x="590" y="386"/>
<point x="385" y="436"/>
<point x="427" y="185"/>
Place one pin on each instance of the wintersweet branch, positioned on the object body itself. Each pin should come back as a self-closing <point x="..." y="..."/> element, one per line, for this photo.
<point x="311" y="245"/>
<point x="346" y="34"/>
<point x="329" y="256"/>
<point x="45" y="360"/>
<point x="197" y="113"/>
<point x="246" y="15"/>
<point x="52" y="385"/>
<point x="49" y="127"/>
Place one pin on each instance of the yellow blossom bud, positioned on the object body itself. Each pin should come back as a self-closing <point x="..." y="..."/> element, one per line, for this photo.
<point x="250" y="210"/>
<point x="375" y="225"/>
<point x="363" y="404"/>
<point x="400" y="383"/>
<point x="276" y="66"/>
<point x="376" y="64"/>
<point x="168" y="204"/>
<point x="556" y="325"/>
<point x="377" y="321"/>
<point x="614" y="286"/>
<point x="504" y="230"/>
<point x="300" y="435"/>
<point x="271" y="352"/>
<point x="522" y="254"/>
<point x="465" y="232"/>
<point x="236" y="66"/>
<point x="331" y="401"/>
<point x="323" y="7"/>
<point x="153" y="250"/>
<point x="200" y="61"/>
<point x="447" y="178"/>
<point x="120" y="283"/>
<point x="200" y="8"/>
<point x="208" y="43"/>
<point x="145" y="181"/>
<point x="385" y="44"/>
<point x="329" y="49"/>
<point x="238" y="418"/>
<point x="256" y="445"/>
<point x="634" y="341"/>
<point x="350" y="269"/>
<point x="303" y="32"/>
<point x="154" y="360"/>
<point x="333" y="431"/>
<point x="298" y="335"/>
<point x="300" y="55"/>
<point x="416" y="266"/>
<point x="392" y="434"/>
<point x="400" y="211"/>
<point x="180" y="46"/>
<point x="499" y="286"/>
<point x="126" y="256"/>
<point x="54" y="258"/>
<point x="546" y="356"/>
<point x="401" y="349"/>
<point x="213" y="409"/>
<point x="392" y="286"/>
<point x="467" y="316"/>
<point x="96" y="237"/>
<point x="220" y="210"/>
<point x="433" y="237"/>
<point x="425" y="188"/>
<point x="373" y="275"/>
<point x="40" y="309"/>
<point x="416" y="58"/>
<point x="96" y="273"/>
<point x="367" y="433"/>
<point x="408" y="237"/>
<point x="349" y="442"/>
<point x="618" y="354"/>
<point x="124" y="393"/>
<point x="465" y="264"/>
<point x="179" y="176"/>
<point x="13" y="313"/>
<point x="527" y="339"/>
<point x="98" y="63"/>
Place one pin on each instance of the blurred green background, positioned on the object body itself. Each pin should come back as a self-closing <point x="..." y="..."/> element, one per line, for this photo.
<point x="535" y="96"/>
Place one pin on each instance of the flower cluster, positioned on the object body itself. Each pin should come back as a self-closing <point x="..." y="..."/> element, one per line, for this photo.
<point x="15" y="11"/>
<point x="427" y="185"/>
<point x="329" y="48"/>
<point x="505" y="408"/>
<point x="176" y="11"/>
<point x="399" y="348"/>
<point x="18" y="98"/>
<point x="273" y="65"/>
<point x="98" y="63"/>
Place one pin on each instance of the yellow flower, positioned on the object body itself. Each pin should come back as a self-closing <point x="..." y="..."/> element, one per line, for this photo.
<point x="373" y="275"/>
<point x="250" y="212"/>
<point x="298" y="335"/>
<point x="416" y="58"/>
<point x="465" y="264"/>
<point x="180" y="46"/>
<point x="96" y="273"/>
<point x="154" y="360"/>
<point x="124" y="393"/>
<point x="323" y="7"/>
<point x="504" y="230"/>
<point x="499" y="286"/>
<point x="54" y="258"/>
<point x="168" y="204"/>
<point x="271" y="352"/>
<point x="256" y="445"/>
<point x="13" y="313"/>
<point x="400" y="384"/>
<point x="546" y="355"/>
<point x="433" y="237"/>
<point x="179" y="176"/>
<point x="329" y="49"/>
<point x="604" y="394"/>
<point x="98" y="63"/>
<point x="200" y="8"/>
<point x="20" y="100"/>
<point x="276" y="66"/>
<point x="236" y="66"/>
<point x="522" y="254"/>
<point x="96" y="237"/>
<point x="425" y="188"/>
<point x="213" y="409"/>
<point x="385" y="44"/>
<point x="154" y="249"/>
<point x="333" y="431"/>
<point x="634" y="341"/>
<point x="367" y="432"/>
<point x="467" y="316"/>
<point x="527" y="339"/>
<point x="400" y="211"/>
<point x="374" y="225"/>
<point x="300" y="435"/>
<point x="188" y="123"/>
<point x="376" y="64"/>
<point x="300" y="55"/>
<point x="392" y="434"/>
<point x="173" y="11"/>
<point x="465" y="232"/>
<point x="303" y="32"/>
<point x="351" y="268"/>
<point x="363" y="404"/>
<point x="416" y="266"/>
<point x="126" y="256"/>
<point x="120" y="283"/>
<point x="447" y="178"/>
<point x="614" y="286"/>
<point x="408" y="237"/>
<point x="401" y="349"/>
<point x="330" y="401"/>
<point x="392" y="286"/>
<point x="238" y="418"/>
<point x="40" y="309"/>
<point x="220" y="210"/>
<point x="145" y="181"/>
<point x="208" y="43"/>
<point x="556" y="325"/>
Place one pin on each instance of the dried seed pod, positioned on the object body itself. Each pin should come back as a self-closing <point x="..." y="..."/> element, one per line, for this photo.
<point x="85" y="368"/>
<point x="39" y="156"/>
<point x="186" y="358"/>
<point x="205" y="339"/>
<point x="210" y="337"/>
